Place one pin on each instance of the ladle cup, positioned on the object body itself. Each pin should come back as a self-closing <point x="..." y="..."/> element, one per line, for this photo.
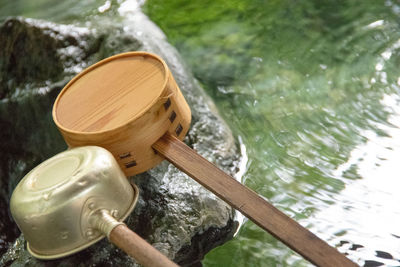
<point x="74" y="199"/>
<point x="131" y="105"/>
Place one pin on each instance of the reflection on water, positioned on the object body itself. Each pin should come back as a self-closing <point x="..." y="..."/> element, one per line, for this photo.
<point x="313" y="89"/>
<point x="65" y="11"/>
<point x="367" y="212"/>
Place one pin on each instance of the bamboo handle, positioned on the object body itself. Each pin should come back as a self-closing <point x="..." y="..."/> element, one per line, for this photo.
<point x="250" y="204"/>
<point x="138" y="248"/>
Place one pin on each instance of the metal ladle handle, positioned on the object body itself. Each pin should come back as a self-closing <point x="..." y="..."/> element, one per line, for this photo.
<point x="127" y="240"/>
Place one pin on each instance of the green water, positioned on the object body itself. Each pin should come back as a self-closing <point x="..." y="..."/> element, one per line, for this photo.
<point x="312" y="89"/>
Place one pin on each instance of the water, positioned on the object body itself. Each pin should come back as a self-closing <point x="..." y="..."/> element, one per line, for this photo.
<point x="313" y="91"/>
<point x="65" y="11"/>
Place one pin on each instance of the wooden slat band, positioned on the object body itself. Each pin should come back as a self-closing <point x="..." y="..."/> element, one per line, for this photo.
<point x="250" y="204"/>
<point x="138" y="248"/>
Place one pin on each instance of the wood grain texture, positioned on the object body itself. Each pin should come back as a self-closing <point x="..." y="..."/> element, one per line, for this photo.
<point x="250" y="204"/>
<point x="111" y="93"/>
<point x="138" y="248"/>
<point x="120" y="104"/>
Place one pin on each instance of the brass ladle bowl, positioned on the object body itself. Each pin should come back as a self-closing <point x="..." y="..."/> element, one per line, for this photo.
<point x="73" y="200"/>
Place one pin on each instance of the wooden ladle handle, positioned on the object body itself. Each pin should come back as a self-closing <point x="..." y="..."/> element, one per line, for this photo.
<point x="138" y="248"/>
<point x="127" y="240"/>
<point x="250" y="204"/>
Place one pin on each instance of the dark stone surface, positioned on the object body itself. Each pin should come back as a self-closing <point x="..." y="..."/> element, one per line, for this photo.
<point x="174" y="213"/>
<point x="21" y="60"/>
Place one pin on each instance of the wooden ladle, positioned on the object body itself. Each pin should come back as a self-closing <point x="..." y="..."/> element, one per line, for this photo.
<point x="131" y="105"/>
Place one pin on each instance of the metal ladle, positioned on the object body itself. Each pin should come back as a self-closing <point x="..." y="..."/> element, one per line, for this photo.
<point x="131" y="105"/>
<point x="74" y="199"/>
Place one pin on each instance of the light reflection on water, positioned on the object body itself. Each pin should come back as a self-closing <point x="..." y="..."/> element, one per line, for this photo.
<point x="312" y="87"/>
<point x="367" y="211"/>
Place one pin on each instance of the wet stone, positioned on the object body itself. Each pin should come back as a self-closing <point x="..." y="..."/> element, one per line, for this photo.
<point x="174" y="213"/>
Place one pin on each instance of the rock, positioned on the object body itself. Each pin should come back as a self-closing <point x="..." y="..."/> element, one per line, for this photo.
<point x="174" y="213"/>
<point x="21" y="61"/>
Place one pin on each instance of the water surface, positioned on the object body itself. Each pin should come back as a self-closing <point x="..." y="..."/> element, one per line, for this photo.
<point x="312" y="88"/>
